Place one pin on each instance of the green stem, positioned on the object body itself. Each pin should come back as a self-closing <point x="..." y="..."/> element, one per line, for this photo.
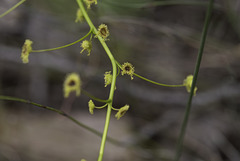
<point x="101" y="106"/>
<point x="51" y="49"/>
<point x="112" y="89"/>
<point x="12" y="8"/>
<point x="148" y="80"/>
<point x="8" y="98"/>
<point x="94" y="98"/>
<point x="160" y="84"/>
<point x="197" y="67"/>
<point x="111" y="140"/>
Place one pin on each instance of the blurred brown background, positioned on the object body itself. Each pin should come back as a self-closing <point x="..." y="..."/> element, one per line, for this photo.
<point x="161" y="39"/>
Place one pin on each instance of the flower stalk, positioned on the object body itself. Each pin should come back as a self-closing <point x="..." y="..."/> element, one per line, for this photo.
<point x="113" y="84"/>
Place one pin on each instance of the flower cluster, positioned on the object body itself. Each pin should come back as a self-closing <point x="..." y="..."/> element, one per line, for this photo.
<point x="86" y="45"/>
<point x="90" y="2"/>
<point x="26" y="50"/>
<point x="91" y="106"/>
<point x="79" y="16"/>
<point x="72" y="83"/>
<point x="108" y="78"/>
<point x="127" y="68"/>
<point x="188" y="83"/>
<point x="122" y="111"/>
<point x="103" y="32"/>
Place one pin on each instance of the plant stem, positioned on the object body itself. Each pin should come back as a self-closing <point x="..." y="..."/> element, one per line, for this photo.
<point x="113" y="141"/>
<point x="8" y="98"/>
<point x="112" y="89"/>
<point x="160" y="84"/>
<point x="94" y="98"/>
<point x="12" y="8"/>
<point x="148" y="80"/>
<point x="197" y="67"/>
<point x="51" y="49"/>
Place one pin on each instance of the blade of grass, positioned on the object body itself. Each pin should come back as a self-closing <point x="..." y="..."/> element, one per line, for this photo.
<point x="197" y="67"/>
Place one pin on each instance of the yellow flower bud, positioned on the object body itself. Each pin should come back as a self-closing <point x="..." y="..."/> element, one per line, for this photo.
<point x="90" y="2"/>
<point x="79" y="16"/>
<point x="122" y="111"/>
<point x="86" y="45"/>
<point x="108" y="78"/>
<point x="188" y="83"/>
<point x="127" y="68"/>
<point x="72" y="83"/>
<point x="26" y="49"/>
<point x="91" y="106"/>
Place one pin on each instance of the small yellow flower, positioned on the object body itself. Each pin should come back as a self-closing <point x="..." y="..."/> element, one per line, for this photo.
<point x="90" y="2"/>
<point x="26" y="50"/>
<point x="127" y="68"/>
<point x="103" y="32"/>
<point x="79" y="16"/>
<point x="72" y="83"/>
<point x="86" y="45"/>
<point x="91" y="106"/>
<point x="108" y="78"/>
<point x="188" y="83"/>
<point x="122" y="111"/>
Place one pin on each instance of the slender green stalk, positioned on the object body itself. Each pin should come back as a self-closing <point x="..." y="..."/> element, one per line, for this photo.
<point x="113" y="141"/>
<point x="197" y="67"/>
<point x="101" y="106"/>
<point x="51" y="109"/>
<point x="112" y="89"/>
<point x="94" y="98"/>
<point x="51" y="49"/>
<point x="160" y="84"/>
<point x="148" y="80"/>
<point x="12" y="8"/>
